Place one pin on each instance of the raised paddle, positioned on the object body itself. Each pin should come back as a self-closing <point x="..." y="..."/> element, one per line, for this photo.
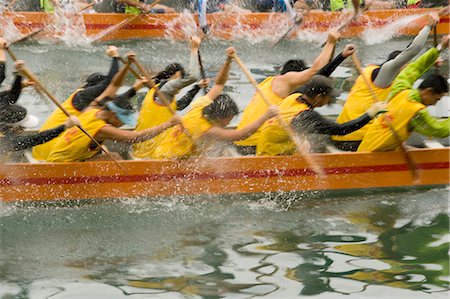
<point x="132" y="70"/>
<point x="111" y="29"/>
<point x="412" y="166"/>
<point x="297" y="22"/>
<point x="151" y="84"/>
<point x="202" y="70"/>
<point x="292" y="135"/>
<point x="38" y="84"/>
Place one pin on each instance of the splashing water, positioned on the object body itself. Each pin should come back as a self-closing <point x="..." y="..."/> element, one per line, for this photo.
<point x="372" y="36"/>
<point x="69" y="26"/>
<point x="181" y="27"/>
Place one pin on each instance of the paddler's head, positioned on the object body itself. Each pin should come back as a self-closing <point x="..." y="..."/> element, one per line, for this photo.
<point x="319" y="91"/>
<point x="94" y="79"/>
<point x="294" y="65"/>
<point x="221" y="111"/>
<point x="432" y="89"/>
<point x="172" y="71"/>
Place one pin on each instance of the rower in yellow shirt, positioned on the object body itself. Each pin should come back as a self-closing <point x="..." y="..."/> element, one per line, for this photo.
<point x="380" y="78"/>
<point x="297" y="110"/>
<point x="154" y="110"/>
<point x="406" y="108"/>
<point x="293" y="74"/>
<point x="102" y="120"/>
<point x="96" y="83"/>
<point x="206" y="121"/>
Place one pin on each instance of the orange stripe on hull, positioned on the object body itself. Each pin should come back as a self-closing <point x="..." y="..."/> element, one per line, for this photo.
<point x="97" y="180"/>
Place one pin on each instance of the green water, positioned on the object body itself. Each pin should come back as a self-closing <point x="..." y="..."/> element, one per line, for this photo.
<point x="384" y="245"/>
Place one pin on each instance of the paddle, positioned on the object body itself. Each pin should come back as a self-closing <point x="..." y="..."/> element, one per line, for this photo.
<point x="151" y="84"/>
<point x="297" y="22"/>
<point x="202" y="70"/>
<point x="33" y="33"/>
<point x="38" y="84"/>
<point x="412" y="166"/>
<point x="292" y="135"/>
<point x="349" y="21"/>
<point x="132" y="70"/>
<point x="113" y="28"/>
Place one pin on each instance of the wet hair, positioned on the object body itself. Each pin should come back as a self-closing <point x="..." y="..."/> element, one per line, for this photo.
<point x="222" y="107"/>
<point x="12" y="113"/>
<point x="294" y="65"/>
<point x="169" y="71"/>
<point x="94" y="79"/>
<point x="438" y="83"/>
<point x="391" y="56"/>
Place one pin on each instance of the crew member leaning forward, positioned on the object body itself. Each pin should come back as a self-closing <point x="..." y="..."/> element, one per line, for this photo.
<point x="102" y="120"/>
<point x="293" y="74"/>
<point x="406" y="107"/>
<point x="206" y="122"/>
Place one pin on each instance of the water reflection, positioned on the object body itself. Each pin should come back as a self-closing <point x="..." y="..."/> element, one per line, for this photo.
<point x="241" y="247"/>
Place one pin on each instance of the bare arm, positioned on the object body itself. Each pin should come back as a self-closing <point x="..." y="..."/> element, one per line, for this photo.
<point x="283" y="85"/>
<point x="217" y="133"/>
<point x="115" y="84"/>
<point x="222" y="76"/>
<point x="172" y="87"/>
<point x="115" y="134"/>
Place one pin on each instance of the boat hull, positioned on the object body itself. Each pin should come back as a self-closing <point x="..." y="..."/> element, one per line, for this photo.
<point x="224" y="25"/>
<point x="104" y="180"/>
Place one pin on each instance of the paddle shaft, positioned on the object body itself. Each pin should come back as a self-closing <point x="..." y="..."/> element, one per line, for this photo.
<point x="286" y="126"/>
<point x="407" y="156"/>
<point x="33" y="33"/>
<point x="161" y="96"/>
<point x="111" y="29"/>
<point x="132" y="70"/>
<point x="39" y="85"/>
<point x="202" y="70"/>
<point x="296" y="24"/>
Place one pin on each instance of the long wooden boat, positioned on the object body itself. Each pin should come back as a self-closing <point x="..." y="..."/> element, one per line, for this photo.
<point x="224" y="25"/>
<point x="234" y="175"/>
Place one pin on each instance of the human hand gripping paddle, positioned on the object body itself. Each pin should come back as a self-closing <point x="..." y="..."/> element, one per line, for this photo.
<point x="152" y="84"/>
<point x="412" y="166"/>
<point x="292" y="135"/>
<point x="39" y="85"/>
<point x="111" y="29"/>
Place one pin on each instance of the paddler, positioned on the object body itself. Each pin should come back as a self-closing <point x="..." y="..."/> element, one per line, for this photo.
<point x="406" y="106"/>
<point x="14" y="118"/>
<point x="380" y="77"/>
<point x="102" y="120"/>
<point x="141" y="6"/>
<point x="206" y="121"/>
<point x="95" y="85"/>
<point x="293" y="75"/>
<point x="154" y="110"/>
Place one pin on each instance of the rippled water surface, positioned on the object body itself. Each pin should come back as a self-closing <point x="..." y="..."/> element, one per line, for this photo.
<point x="381" y="245"/>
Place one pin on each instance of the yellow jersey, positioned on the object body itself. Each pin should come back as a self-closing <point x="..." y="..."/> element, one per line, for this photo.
<point x="175" y="143"/>
<point x="274" y="139"/>
<point x="255" y="109"/>
<point x="57" y="118"/>
<point x="358" y="102"/>
<point x="152" y="114"/>
<point x="400" y="110"/>
<point x="73" y="145"/>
